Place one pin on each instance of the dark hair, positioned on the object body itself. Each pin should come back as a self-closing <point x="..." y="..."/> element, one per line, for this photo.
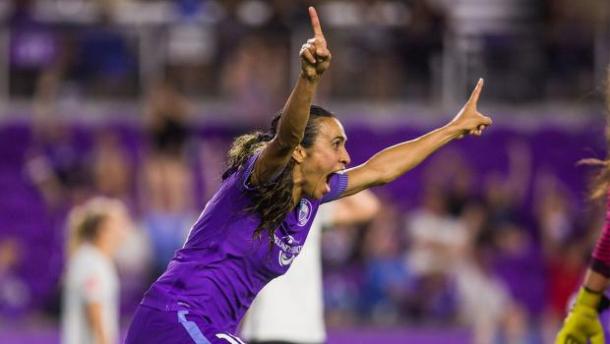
<point x="601" y="182"/>
<point x="271" y="201"/>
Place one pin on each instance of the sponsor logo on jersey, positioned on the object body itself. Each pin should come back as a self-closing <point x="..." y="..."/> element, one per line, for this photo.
<point x="289" y="249"/>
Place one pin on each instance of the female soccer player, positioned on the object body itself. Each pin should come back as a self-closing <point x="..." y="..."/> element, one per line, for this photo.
<point x="91" y="292"/>
<point x="255" y="225"/>
<point x="582" y="323"/>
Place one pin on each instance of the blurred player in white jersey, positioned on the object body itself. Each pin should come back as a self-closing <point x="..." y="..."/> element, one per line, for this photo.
<point x="91" y="285"/>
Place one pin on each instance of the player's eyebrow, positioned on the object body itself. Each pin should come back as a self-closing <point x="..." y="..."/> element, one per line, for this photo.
<point x="341" y="138"/>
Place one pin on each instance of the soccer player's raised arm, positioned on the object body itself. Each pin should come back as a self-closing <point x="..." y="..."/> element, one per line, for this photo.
<point x="315" y="60"/>
<point x="394" y="161"/>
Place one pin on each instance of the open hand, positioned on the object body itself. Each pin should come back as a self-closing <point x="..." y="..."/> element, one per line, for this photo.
<point x="315" y="56"/>
<point x="469" y="120"/>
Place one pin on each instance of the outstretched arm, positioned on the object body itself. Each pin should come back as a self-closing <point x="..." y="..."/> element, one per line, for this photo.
<point x="315" y="59"/>
<point x="394" y="161"/>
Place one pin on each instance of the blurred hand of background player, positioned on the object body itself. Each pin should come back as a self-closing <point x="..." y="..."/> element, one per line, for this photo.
<point x="469" y="120"/>
<point x="315" y="56"/>
<point x="582" y="324"/>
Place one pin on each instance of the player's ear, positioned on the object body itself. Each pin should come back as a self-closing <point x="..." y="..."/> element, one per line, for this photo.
<point x="299" y="154"/>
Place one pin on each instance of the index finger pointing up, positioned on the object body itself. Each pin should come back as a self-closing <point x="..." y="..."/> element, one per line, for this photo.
<point x="474" y="97"/>
<point x="315" y="23"/>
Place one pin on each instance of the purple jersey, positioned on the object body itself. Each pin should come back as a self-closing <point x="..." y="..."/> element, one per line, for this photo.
<point x="222" y="266"/>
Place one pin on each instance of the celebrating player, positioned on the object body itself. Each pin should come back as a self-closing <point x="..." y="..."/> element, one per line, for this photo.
<point x="255" y="225"/>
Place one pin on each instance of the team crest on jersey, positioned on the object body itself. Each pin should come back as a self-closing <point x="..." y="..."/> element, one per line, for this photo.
<point x="304" y="212"/>
<point x="289" y="249"/>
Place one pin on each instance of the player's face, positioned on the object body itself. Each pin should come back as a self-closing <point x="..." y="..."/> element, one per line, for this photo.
<point x="327" y="155"/>
<point x="116" y="226"/>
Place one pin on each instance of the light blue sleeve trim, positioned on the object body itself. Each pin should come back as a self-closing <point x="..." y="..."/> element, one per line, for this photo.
<point x="191" y="328"/>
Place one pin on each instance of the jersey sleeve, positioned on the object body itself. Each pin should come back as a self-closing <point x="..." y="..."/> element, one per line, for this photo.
<point x="601" y="254"/>
<point x="246" y="173"/>
<point x="92" y="284"/>
<point x="338" y="184"/>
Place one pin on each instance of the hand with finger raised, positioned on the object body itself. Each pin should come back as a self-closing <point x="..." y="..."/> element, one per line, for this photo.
<point x="469" y="120"/>
<point x="315" y="56"/>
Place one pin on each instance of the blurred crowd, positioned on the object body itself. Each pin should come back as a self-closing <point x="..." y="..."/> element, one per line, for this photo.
<point x="499" y="253"/>
<point x="424" y="50"/>
<point x="494" y="257"/>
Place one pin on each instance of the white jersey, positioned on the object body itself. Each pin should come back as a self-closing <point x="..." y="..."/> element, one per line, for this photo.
<point x="90" y="278"/>
<point x="291" y="308"/>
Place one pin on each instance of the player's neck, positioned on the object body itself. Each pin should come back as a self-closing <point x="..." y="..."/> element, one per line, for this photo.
<point x="104" y="247"/>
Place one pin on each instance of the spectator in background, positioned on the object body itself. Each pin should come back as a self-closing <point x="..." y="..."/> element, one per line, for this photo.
<point x="112" y="177"/>
<point x="563" y="250"/>
<point x="570" y="33"/>
<point x="484" y="301"/>
<point x="33" y="48"/>
<point x="387" y="281"/>
<point x="91" y="291"/>
<point x="505" y="193"/>
<point x="452" y="174"/>
<point x="14" y="292"/>
<point x="106" y="61"/>
<point x="518" y="264"/>
<point x="21" y="11"/>
<point x="422" y="44"/>
<point x="246" y="80"/>
<point x="109" y="8"/>
<point x="564" y="275"/>
<point x="56" y="164"/>
<point x="437" y="237"/>
<point x="517" y="260"/>
<point x="111" y="167"/>
<point x="553" y="213"/>
<point x="452" y="237"/>
<point x="434" y="236"/>
<point x="167" y="194"/>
